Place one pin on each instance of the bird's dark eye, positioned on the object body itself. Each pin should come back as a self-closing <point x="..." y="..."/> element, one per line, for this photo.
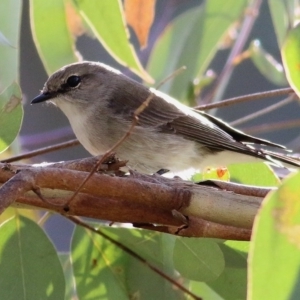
<point x="73" y="81"/>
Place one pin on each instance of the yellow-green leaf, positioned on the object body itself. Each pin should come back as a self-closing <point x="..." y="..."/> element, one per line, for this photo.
<point x="29" y="266"/>
<point x="266" y="64"/>
<point x="11" y="115"/>
<point x="280" y="18"/>
<point x="10" y="18"/>
<point x="274" y="257"/>
<point x="291" y="58"/>
<point x="203" y="259"/>
<point x="106" y="20"/>
<point x="258" y="174"/>
<point x="192" y="40"/>
<point x="4" y="41"/>
<point x="51" y="35"/>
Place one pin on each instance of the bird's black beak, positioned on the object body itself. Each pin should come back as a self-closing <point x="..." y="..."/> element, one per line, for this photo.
<point x="41" y="98"/>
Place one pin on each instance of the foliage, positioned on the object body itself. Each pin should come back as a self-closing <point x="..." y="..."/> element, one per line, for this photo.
<point x="30" y="266"/>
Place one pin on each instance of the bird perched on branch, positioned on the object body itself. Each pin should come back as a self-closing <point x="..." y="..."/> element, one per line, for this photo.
<point x="100" y="102"/>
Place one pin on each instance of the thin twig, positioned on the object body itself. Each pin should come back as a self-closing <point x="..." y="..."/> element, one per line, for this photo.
<point x="263" y="111"/>
<point x="174" y="74"/>
<point x="135" y="255"/>
<point x="250" y="97"/>
<point x="221" y="83"/>
<point x="40" y="151"/>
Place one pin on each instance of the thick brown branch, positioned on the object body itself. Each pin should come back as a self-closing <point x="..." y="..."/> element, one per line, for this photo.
<point x="199" y="227"/>
<point x="14" y="188"/>
<point x="223" y="210"/>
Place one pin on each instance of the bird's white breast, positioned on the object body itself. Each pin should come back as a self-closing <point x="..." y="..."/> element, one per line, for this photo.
<point x="80" y="123"/>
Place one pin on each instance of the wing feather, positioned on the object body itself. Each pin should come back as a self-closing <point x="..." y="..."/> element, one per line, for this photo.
<point x="169" y="116"/>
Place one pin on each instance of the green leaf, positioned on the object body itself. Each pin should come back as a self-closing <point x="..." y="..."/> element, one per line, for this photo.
<point x="156" y="248"/>
<point x="107" y="21"/>
<point x="117" y="275"/>
<point x="51" y="35"/>
<point x="192" y="41"/>
<point x="217" y="21"/>
<point x="291" y="58"/>
<point x="241" y="247"/>
<point x="216" y="174"/>
<point x="65" y="260"/>
<point x="169" y="53"/>
<point x="4" y="41"/>
<point x="280" y="19"/>
<point x="274" y="258"/>
<point x="258" y="174"/>
<point x="11" y="115"/>
<point x="203" y="259"/>
<point x="152" y="246"/>
<point x="232" y="283"/>
<point x="29" y="266"/>
<point x="10" y="19"/>
<point x="98" y="266"/>
<point x="266" y="64"/>
<point x="206" y="292"/>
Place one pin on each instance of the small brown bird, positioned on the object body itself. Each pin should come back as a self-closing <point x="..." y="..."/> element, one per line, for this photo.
<point x="100" y="101"/>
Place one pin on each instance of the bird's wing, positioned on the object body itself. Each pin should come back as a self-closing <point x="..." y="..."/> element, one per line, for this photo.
<point x="239" y="135"/>
<point x="169" y="116"/>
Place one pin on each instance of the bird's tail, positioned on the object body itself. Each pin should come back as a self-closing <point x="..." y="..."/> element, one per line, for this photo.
<point x="281" y="160"/>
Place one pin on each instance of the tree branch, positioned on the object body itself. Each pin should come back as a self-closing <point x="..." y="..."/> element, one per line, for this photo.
<point x="211" y="209"/>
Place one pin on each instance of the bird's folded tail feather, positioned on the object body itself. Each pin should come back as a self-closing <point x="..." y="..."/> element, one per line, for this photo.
<point x="281" y="160"/>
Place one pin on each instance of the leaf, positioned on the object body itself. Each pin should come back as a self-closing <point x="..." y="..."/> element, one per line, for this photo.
<point x="241" y="247"/>
<point x="155" y="248"/>
<point x="198" y="259"/>
<point x="232" y="283"/>
<point x="10" y="212"/>
<point x="192" y="41"/>
<point x="4" y="41"/>
<point x="103" y="269"/>
<point x="74" y="20"/>
<point x="11" y="115"/>
<point x="206" y="292"/>
<point x="51" y="35"/>
<point x="10" y="19"/>
<point x="274" y="258"/>
<point x="140" y="15"/>
<point x="97" y="263"/>
<point x="169" y="52"/>
<point x="29" y="266"/>
<point x="107" y="21"/>
<point x="266" y="64"/>
<point x="216" y="173"/>
<point x="65" y="260"/>
<point x="280" y="19"/>
<point x="291" y="58"/>
<point x="217" y="21"/>
<point x="258" y="174"/>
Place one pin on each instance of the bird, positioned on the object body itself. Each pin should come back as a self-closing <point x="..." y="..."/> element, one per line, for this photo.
<point x="99" y="102"/>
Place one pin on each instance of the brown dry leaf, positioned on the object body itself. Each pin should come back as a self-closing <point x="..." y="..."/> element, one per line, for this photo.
<point x="74" y="21"/>
<point x="140" y="15"/>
